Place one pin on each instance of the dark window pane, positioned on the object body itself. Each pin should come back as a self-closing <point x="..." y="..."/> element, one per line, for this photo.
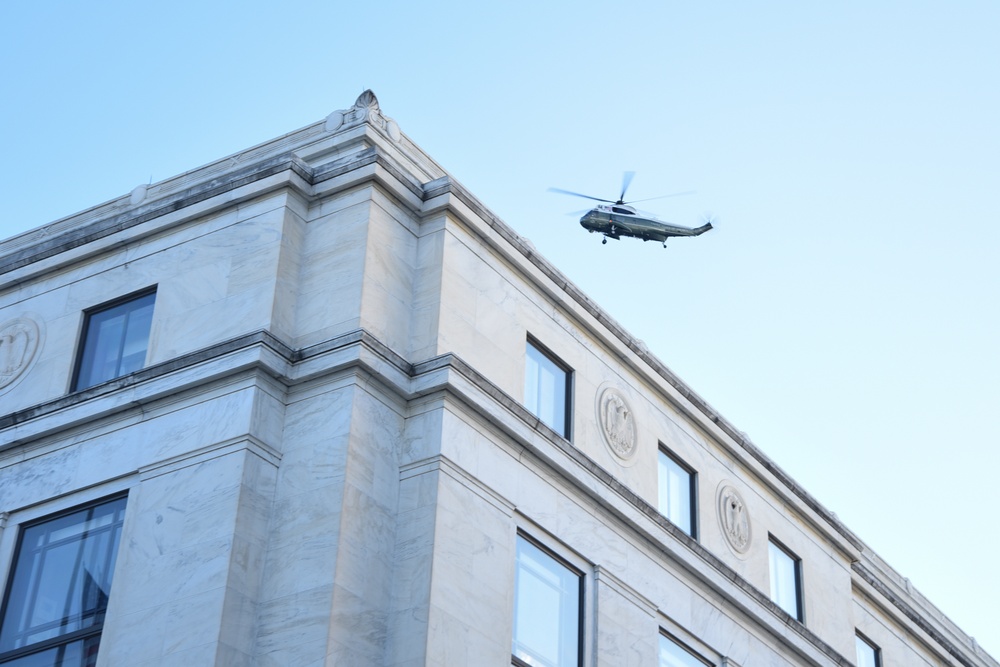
<point x="61" y="581"/>
<point x="115" y="340"/>
<point x="82" y="653"/>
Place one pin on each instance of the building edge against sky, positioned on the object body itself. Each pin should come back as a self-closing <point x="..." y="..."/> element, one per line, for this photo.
<point x="356" y="377"/>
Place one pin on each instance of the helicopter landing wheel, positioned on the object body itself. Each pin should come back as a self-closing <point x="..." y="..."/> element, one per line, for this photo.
<point x="604" y="240"/>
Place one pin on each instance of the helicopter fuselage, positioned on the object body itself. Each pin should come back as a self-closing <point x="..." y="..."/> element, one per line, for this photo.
<point x="615" y="221"/>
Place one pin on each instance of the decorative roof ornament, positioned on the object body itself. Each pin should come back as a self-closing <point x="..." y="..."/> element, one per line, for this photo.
<point x="365" y="109"/>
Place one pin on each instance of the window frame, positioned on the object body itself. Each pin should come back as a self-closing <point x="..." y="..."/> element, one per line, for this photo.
<point x="567" y="426"/>
<point x="797" y="577"/>
<point x="79" y="635"/>
<point x="581" y="597"/>
<point x="84" y="335"/>
<point x="692" y="489"/>
<point x="664" y="635"/>
<point x="876" y="651"/>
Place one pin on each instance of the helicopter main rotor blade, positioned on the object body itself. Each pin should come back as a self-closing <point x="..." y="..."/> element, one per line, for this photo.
<point x="673" y="194"/>
<point x="577" y="194"/>
<point x="626" y="181"/>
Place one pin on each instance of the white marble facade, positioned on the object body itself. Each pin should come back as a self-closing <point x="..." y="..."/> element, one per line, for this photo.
<point x="326" y="457"/>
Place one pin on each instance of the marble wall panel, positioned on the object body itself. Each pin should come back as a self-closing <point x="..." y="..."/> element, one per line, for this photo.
<point x="422" y="435"/>
<point x="426" y="301"/>
<point x="267" y="421"/>
<point x="293" y="629"/>
<point x="315" y="441"/>
<point x="467" y="613"/>
<point x="365" y="549"/>
<point x="486" y="333"/>
<point x="29" y="479"/>
<point x="473" y="448"/>
<point x="331" y="273"/>
<point x="626" y="632"/>
<point x="413" y="549"/>
<point x="453" y="641"/>
<point x="189" y="563"/>
<point x="302" y="552"/>
<point x="289" y="267"/>
<point x="389" y="278"/>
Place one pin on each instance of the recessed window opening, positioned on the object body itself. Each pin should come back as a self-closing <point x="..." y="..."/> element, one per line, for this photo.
<point x="786" y="578"/>
<point x="548" y="611"/>
<point x="54" y="606"/>
<point x="869" y="655"/>
<point x="674" y="654"/>
<point x="547" y="383"/>
<point x="115" y="339"/>
<point x="676" y="492"/>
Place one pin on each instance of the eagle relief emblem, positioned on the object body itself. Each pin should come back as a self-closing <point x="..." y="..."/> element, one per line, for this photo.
<point x="617" y="422"/>
<point x="734" y="519"/>
<point x="18" y="344"/>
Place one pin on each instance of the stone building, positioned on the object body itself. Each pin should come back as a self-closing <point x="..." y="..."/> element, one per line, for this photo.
<point x="313" y="404"/>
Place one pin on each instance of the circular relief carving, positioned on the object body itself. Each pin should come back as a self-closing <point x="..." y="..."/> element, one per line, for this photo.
<point x="392" y="129"/>
<point x="19" y="339"/>
<point x="734" y="519"/>
<point x="334" y="121"/>
<point x="617" y="422"/>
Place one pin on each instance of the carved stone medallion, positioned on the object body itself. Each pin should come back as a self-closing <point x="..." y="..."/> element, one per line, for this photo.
<point x="19" y="342"/>
<point x="617" y="422"/>
<point x="734" y="519"/>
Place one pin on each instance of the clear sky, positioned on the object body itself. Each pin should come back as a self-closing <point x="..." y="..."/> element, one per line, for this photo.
<point x="844" y="311"/>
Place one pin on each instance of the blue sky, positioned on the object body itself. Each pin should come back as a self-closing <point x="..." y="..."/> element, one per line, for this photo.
<point x="844" y="310"/>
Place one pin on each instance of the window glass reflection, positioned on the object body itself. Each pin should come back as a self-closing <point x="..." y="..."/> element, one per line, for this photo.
<point x="115" y="341"/>
<point x="61" y="582"/>
<point x="673" y="654"/>
<point x="785" y="580"/>
<point x="675" y="493"/>
<point x="546" y="609"/>
<point x="545" y="385"/>
<point x="868" y="654"/>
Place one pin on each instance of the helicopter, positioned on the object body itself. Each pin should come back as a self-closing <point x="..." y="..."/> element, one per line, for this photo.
<point x="615" y="219"/>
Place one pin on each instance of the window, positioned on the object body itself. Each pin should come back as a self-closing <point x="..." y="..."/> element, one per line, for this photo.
<point x="115" y="337"/>
<point x="869" y="655"/>
<point x="547" y="609"/>
<point x="672" y="654"/>
<point x="547" y="389"/>
<point x="786" y="579"/>
<point x="53" y="611"/>
<point x="677" y="492"/>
